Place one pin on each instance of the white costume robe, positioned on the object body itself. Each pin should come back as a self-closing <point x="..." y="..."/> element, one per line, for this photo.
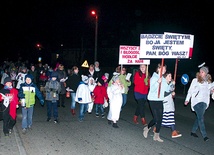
<point x="115" y="102"/>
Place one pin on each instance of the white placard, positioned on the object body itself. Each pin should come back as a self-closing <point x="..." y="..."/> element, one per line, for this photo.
<point x="130" y="55"/>
<point x="167" y="45"/>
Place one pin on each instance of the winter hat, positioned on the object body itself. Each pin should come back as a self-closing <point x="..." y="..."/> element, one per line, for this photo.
<point x="7" y="79"/>
<point x="54" y="74"/>
<point x="84" y="79"/>
<point x="29" y="76"/>
<point x="205" y="69"/>
<point x="100" y="81"/>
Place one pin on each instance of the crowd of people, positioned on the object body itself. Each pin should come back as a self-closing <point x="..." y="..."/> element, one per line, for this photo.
<point x="23" y="85"/>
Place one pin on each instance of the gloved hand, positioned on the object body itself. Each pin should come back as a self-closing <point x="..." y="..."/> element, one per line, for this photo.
<point x="42" y="103"/>
<point x="146" y="81"/>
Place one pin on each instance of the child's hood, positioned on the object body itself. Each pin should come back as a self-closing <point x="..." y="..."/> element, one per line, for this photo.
<point x="29" y="76"/>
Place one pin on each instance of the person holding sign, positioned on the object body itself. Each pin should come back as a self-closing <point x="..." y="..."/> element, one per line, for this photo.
<point x="169" y="107"/>
<point x="141" y="89"/>
<point x="156" y="101"/>
<point x="199" y="92"/>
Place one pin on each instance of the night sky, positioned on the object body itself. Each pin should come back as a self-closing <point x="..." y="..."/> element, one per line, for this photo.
<point x="68" y="22"/>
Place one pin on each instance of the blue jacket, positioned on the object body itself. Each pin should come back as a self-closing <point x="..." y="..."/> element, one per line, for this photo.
<point x="29" y="92"/>
<point x="154" y="86"/>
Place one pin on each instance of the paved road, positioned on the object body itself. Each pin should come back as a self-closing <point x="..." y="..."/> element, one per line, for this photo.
<point x="94" y="136"/>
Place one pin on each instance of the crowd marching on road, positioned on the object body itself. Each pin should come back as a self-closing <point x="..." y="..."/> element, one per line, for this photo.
<point x="23" y="85"/>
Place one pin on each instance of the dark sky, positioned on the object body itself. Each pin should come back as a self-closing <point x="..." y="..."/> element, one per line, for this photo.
<point x="52" y="22"/>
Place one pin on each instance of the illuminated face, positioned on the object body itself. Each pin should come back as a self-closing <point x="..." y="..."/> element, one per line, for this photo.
<point x="76" y="70"/>
<point x="53" y="78"/>
<point x="143" y="68"/>
<point x="28" y="80"/>
<point x="169" y="77"/>
<point x="202" y="73"/>
<point x="8" y="84"/>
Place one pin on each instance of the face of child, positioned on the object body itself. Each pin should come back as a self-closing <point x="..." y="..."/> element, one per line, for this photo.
<point x="8" y="84"/>
<point x="54" y="78"/>
<point x="28" y="80"/>
<point x="169" y="77"/>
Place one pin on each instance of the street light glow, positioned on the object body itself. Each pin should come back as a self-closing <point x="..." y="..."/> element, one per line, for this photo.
<point x="93" y="12"/>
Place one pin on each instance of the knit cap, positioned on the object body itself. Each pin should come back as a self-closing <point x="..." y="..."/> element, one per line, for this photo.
<point x="54" y="74"/>
<point x="7" y="79"/>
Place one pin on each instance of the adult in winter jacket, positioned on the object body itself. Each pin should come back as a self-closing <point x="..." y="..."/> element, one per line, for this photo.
<point x="71" y="85"/>
<point x="141" y="89"/>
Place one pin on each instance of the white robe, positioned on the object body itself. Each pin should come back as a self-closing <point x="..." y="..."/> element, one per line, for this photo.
<point x="84" y="93"/>
<point x="115" y="102"/>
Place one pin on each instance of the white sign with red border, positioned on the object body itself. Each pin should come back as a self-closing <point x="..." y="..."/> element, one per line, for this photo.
<point x="167" y="45"/>
<point x="130" y="55"/>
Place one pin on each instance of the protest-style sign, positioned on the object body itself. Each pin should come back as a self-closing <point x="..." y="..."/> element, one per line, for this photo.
<point x="176" y="36"/>
<point x="167" y="45"/>
<point x="130" y="55"/>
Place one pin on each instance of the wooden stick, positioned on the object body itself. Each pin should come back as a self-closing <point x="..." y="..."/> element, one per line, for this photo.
<point x="175" y="71"/>
<point x="147" y="70"/>
<point x="162" y="62"/>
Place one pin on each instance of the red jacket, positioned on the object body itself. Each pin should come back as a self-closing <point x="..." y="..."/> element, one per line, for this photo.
<point x="13" y="103"/>
<point x="100" y="93"/>
<point x="139" y="84"/>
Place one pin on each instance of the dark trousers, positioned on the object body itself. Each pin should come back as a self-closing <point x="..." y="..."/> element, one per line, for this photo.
<point x="8" y="121"/>
<point x="52" y="108"/>
<point x="157" y="112"/>
<point x="61" y="99"/>
<point x="140" y="110"/>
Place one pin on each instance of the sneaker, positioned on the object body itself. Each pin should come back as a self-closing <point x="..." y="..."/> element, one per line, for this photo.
<point x="56" y="121"/>
<point x="48" y="119"/>
<point x="80" y="120"/>
<point x="97" y="115"/>
<point x="24" y="130"/>
<point x="6" y="134"/>
<point x="176" y="134"/>
<point x="206" y="139"/>
<point x="194" y="134"/>
<point x="30" y="127"/>
<point x="10" y="131"/>
<point x="109" y="122"/>
<point x="63" y="106"/>
<point x="103" y="116"/>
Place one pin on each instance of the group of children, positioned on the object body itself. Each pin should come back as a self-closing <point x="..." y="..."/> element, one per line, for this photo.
<point x="91" y="94"/>
<point x="86" y="95"/>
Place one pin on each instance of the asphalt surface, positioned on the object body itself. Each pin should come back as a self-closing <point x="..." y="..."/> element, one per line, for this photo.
<point x="94" y="136"/>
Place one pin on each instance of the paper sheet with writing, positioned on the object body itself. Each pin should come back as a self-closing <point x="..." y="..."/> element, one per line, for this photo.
<point x="128" y="76"/>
